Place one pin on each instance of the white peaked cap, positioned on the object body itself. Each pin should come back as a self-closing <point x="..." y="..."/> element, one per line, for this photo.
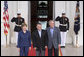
<point x="18" y="12"/>
<point x="63" y="12"/>
<point x="15" y="15"/>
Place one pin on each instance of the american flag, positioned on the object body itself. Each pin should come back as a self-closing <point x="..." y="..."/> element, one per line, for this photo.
<point x="77" y="19"/>
<point x="6" y="18"/>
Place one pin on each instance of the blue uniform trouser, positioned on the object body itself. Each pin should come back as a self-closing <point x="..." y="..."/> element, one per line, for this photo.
<point x="24" y="51"/>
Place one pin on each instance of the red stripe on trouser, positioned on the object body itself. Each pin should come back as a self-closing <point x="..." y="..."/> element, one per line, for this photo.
<point x="32" y="52"/>
<point x="60" y="52"/>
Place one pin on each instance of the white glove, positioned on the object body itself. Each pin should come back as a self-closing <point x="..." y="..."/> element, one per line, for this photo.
<point x="15" y="16"/>
<point x="67" y="30"/>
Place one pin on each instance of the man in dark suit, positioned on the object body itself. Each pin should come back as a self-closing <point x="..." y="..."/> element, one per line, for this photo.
<point x="54" y="38"/>
<point x="40" y="40"/>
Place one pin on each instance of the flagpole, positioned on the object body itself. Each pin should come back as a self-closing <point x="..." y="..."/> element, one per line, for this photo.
<point x="77" y="41"/>
<point x="6" y="42"/>
<point x="77" y="23"/>
<point x="10" y="41"/>
<point x="10" y="37"/>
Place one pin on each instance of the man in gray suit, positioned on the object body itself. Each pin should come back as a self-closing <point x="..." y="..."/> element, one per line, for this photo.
<point x="54" y="38"/>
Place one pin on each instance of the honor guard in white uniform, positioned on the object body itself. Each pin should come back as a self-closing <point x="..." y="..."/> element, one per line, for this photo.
<point x="64" y="27"/>
<point x="18" y="21"/>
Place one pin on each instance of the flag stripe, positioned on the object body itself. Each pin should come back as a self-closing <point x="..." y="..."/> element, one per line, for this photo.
<point x="6" y="18"/>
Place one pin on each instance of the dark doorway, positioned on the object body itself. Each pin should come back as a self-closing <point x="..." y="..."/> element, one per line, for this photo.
<point x="41" y="11"/>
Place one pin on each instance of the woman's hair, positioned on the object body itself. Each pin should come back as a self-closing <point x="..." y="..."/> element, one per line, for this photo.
<point x="23" y="24"/>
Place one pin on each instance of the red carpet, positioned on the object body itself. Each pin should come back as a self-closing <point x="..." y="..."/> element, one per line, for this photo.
<point x="32" y="52"/>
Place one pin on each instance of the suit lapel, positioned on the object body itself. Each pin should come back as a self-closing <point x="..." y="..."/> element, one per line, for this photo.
<point x="49" y="32"/>
<point x="41" y="33"/>
<point x="53" y="32"/>
<point x="37" y="34"/>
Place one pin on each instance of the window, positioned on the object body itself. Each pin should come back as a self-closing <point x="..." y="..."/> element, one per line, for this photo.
<point x="42" y="9"/>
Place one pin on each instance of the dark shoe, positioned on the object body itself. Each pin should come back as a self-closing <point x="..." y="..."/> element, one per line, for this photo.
<point x="62" y="46"/>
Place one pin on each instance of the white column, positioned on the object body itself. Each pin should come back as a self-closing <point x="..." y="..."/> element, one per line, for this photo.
<point x="3" y="38"/>
<point x="53" y="10"/>
<point x="23" y="8"/>
<point x="13" y="7"/>
<point x="59" y="8"/>
<point x="29" y="16"/>
<point x="68" y="10"/>
<point x="72" y="15"/>
<point x="81" y="24"/>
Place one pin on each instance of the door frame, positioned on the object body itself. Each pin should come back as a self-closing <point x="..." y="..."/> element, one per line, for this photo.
<point x="29" y="15"/>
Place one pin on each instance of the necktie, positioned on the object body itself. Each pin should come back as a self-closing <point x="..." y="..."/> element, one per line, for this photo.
<point x="51" y="33"/>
